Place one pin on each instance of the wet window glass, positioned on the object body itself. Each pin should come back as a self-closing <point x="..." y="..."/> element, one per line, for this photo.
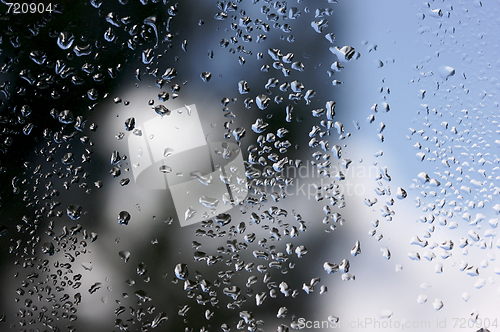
<point x="249" y="165"/>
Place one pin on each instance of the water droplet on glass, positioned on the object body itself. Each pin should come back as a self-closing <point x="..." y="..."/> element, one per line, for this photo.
<point x="300" y="251"/>
<point x="282" y="312"/>
<point x="437" y="304"/>
<point x="130" y="124"/>
<point x="385" y="314"/>
<point x="87" y="266"/>
<point x="123" y="218"/>
<point x="48" y="248"/>
<point x="223" y="219"/>
<point x="125" y="255"/>
<point x="190" y="212"/>
<point x="330" y="268"/>
<point x="260" y="298"/>
<point x="421" y="299"/>
<point x="319" y="26"/>
<point x="386" y="253"/>
<point x="65" y="40"/>
<point x="205" y="76"/>
<point x="170" y="74"/>
<point x="181" y="271"/>
<point x="356" y="250"/>
<point x="401" y="193"/>
<point x="161" y="110"/>
<point x="141" y="269"/>
<point x="74" y="211"/>
<point x="239" y="133"/>
<point x="243" y="87"/>
<point x="344" y="54"/>
<point x="165" y="169"/>
<point x="115" y="158"/>
<point x="445" y="72"/>
<point x="208" y="202"/>
<point x="259" y="126"/>
<point x="204" y="179"/>
<point x="262" y="101"/>
<point x="160" y="318"/>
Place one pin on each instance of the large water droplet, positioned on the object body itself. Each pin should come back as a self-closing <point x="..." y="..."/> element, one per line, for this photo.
<point x="208" y="202"/>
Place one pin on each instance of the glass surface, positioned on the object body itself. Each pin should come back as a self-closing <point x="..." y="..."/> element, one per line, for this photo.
<point x="251" y="165"/>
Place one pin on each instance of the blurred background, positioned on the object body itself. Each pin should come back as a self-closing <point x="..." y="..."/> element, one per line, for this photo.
<point x="394" y="192"/>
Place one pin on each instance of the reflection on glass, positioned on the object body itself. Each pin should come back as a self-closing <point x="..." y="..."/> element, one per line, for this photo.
<point x="249" y="165"/>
